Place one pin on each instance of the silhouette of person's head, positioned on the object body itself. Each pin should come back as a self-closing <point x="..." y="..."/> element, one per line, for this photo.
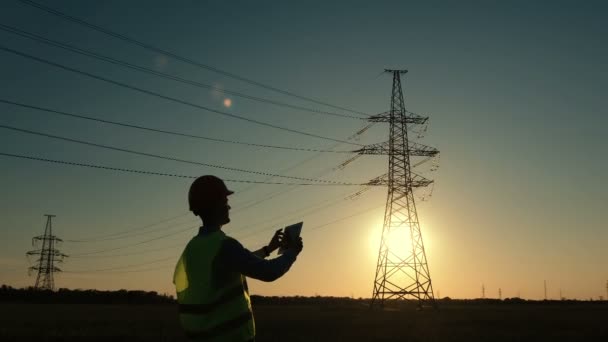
<point x="208" y="199"/>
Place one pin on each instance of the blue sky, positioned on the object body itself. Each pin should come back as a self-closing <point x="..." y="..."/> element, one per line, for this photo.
<point x="515" y="94"/>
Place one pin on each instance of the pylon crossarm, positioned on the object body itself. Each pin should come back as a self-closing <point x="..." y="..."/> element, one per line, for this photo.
<point x="414" y="183"/>
<point x="383" y="148"/>
<point x="421" y="150"/>
<point x="380" y="180"/>
<point x="419" y="181"/>
<point x="55" y="252"/>
<point x="406" y="118"/>
<point x="378" y="148"/>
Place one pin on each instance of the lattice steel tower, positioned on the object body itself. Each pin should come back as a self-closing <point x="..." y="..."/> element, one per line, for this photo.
<point x="48" y="256"/>
<point x="402" y="270"/>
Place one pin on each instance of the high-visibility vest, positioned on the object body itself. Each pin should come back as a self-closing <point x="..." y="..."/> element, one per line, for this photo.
<point x="214" y="305"/>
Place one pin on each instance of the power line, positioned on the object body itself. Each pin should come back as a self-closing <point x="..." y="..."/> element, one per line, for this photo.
<point x="317" y="208"/>
<point x="160" y="260"/>
<point x="122" y="63"/>
<point x="123" y="267"/>
<point x="135" y="244"/>
<point x="56" y="161"/>
<point x="87" y="255"/>
<point x="346" y="217"/>
<point x="321" y="174"/>
<point x="126" y="236"/>
<point x="169" y="98"/>
<point x="296" y="165"/>
<point x="175" y="56"/>
<point x="358" y="133"/>
<point x="129" y="271"/>
<point x="246" y="207"/>
<point x="117" y="123"/>
<point x="191" y="227"/>
<point x="328" y="203"/>
<point x="258" y="201"/>
<point x="129" y="231"/>
<point x="164" y="220"/>
<point x="82" y="142"/>
<point x="181" y="244"/>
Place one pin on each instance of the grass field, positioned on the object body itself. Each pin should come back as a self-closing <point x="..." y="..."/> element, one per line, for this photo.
<point x="454" y="322"/>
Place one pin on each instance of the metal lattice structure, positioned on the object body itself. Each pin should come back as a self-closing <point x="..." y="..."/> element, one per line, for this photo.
<point x="48" y="256"/>
<point x="402" y="271"/>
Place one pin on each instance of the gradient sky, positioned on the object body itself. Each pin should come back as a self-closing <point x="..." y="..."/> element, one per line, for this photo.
<point x="515" y="92"/>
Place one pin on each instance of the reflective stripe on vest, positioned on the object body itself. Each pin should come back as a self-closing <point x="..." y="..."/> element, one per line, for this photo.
<point x="213" y="305"/>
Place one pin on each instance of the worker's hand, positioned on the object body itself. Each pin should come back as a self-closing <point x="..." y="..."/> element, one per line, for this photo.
<point x="276" y="241"/>
<point x="297" y="245"/>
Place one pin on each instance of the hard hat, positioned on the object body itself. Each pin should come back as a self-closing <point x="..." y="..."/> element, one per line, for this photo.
<point x="207" y="191"/>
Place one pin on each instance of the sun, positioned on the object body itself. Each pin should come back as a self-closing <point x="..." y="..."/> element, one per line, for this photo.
<point x="227" y="102"/>
<point x="398" y="241"/>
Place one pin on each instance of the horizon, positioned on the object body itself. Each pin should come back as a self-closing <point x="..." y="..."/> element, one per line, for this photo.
<point x="172" y="296"/>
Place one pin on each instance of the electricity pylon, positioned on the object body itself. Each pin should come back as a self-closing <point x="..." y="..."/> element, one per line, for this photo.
<point x="48" y="256"/>
<point x="402" y="270"/>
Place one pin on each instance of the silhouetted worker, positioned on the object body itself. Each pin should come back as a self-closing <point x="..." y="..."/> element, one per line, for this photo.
<point x="209" y="278"/>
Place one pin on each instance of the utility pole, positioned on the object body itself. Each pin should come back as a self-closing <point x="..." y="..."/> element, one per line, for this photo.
<point x="402" y="270"/>
<point x="483" y="291"/>
<point x="545" y="284"/>
<point x="48" y="256"/>
<point x="499" y="293"/>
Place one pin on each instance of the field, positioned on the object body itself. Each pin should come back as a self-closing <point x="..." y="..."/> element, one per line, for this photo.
<point x="453" y="322"/>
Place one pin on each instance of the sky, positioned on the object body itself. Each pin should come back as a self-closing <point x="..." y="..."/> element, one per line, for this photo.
<point x="515" y="92"/>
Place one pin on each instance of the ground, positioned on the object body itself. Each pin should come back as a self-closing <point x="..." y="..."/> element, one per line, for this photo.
<point x="328" y="322"/>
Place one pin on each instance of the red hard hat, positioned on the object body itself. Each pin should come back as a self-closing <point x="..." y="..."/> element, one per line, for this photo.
<point x="207" y="190"/>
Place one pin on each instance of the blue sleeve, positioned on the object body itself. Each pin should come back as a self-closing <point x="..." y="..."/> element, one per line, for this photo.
<point x="237" y="258"/>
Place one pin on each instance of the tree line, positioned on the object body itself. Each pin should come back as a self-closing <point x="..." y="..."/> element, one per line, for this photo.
<point x="10" y="294"/>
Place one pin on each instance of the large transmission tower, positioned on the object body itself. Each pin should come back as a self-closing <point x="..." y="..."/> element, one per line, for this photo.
<point x="402" y="270"/>
<point x="48" y="256"/>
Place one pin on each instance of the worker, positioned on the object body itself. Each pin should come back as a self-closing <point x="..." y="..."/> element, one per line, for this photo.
<point x="212" y="293"/>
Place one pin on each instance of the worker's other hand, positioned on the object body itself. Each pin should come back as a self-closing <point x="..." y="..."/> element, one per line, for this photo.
<point x="296" y="245"/>
<point x="276" y="241"/>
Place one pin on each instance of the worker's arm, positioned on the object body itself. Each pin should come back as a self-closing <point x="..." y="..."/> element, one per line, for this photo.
<point x="261" y="253"/>
<point x="275" y="243"/>
<point x="236" y="258"/>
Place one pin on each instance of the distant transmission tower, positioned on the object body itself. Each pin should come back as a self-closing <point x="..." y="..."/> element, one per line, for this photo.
<point x="402" y="270"/>
<point x="48" y="256"/>
<point x="483" y="291"/>
<point x="545" y="285"/>
<point x="499" y="293"/>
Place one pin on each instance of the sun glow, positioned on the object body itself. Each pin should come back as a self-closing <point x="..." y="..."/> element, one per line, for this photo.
<point x="398" y="241"/>
<point x="374" y="238"/>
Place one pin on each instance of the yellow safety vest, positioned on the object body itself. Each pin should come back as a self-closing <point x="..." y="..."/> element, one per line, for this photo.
<point x="214" y="305"/>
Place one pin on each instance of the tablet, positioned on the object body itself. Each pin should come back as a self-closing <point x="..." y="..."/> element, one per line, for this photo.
<point x="292" y="232"/>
